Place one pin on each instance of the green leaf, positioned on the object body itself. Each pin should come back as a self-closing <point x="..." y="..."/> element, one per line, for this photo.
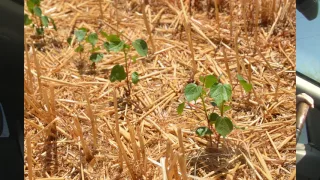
<point x="134" y="59"/>
<point x="80" y="34"/>
<point x="37" y="11"/>
<point x="96" y="57"/>
<point x="141" y="47"/>
<point x="27" y="21"/>
<point x="115" y="47"/>
<point x="213" y="117"/>
<point x="40" y="31"/>
<point x="36" y="2"/>
<point x="69" y="40"/>
<point x="135" y="77"/>
<point x="202" y="79"/>
<point x="192" y="92"/>
<point x="104" y="34"/>
<point x="117" y="73"/>
<point x="180" y="108"/>
<point x="83" y="29"/>
<point x="225" y="108"/>
<point x="126" y="46"/>
<point x="92" y="39"/>
<point x="224" y="126"/>
<point x="113" y="38"/>
<point x="79" y="48"/>
<point x="30" y="5"/>
<point x="45" y="21"/>
<point x="204" y="92"/>
<point x="246" y="86"/>
<point x="53" y="24"/>
<point x="95" y="49"/>
<point x="202" y="131"/>
<point x="220" y="93"/>
<point x="213" y="103"/>
<point x="210" y="80"/>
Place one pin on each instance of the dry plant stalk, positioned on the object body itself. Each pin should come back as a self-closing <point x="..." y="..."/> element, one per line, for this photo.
<point x="142" y="145"/>
<point x="187" y="26"/>
<point x="143" y="154"/>
<point x="51" y="132"/>
<point x="263" y="163"/>
<point x="167" y="156"/>
<point x="164" y="168"/>
<point x="29" y="157"/>
<point x="92" y="119"/>
<point x="293" y="175"/>
<point x="256" y="19"/>
<point x="237" y="57"/>
<point x="227" y="66"/>
<point x="133" y="142"/>
<point x="116" y="14"/>
<point x="101" y="11"/>
<point x="182" y="160"/>
<point x="216" y="9"/>
<point x="117" y="128"/>
<point x="231" y="19"/>
<point x="29" y="74"/>
<point x="122" y="152"/>
<point x="244" y="14"/>
<point x="79" y="133"/>
<point x="274" y="72"/>
<point x="273" y="9"/>
<point x="146" y="22"/>
<point x="249" y="77"/>
<point x="25" y="86"/>
<point x="180" y="141"/>
<point x="274" y="24"/>
<point x="183" y="167"/>
<point x="252" y="166"/>
<point x="38" y="69"/>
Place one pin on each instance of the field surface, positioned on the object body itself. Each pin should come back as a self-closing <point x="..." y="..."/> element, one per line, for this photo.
<point x="80" y="125"/>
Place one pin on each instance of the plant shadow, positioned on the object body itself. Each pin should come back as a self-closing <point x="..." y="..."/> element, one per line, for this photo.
<point x="215" y="161"/>
<point x="51" y="156"/>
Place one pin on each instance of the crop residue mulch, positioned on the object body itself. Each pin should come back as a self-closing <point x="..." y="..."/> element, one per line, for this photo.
<point x="56" y="94"/>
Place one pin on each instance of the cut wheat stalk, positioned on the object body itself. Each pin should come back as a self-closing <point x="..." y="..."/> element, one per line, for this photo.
<point x="85" y="147"/>
<point x="187" y="25"/>
<point x="117" y="128"/>
<point x="216" y="9"/>
<point x="29" y="157"/>
<point x="146" y="22"/>
<point x="92" y="120"/>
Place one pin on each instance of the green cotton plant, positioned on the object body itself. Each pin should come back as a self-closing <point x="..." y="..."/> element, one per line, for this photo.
<point x="92" y="38"/>
<point x="40" y="21"/>
<point x="221" y="94"/>
<point x="119" y="72"/>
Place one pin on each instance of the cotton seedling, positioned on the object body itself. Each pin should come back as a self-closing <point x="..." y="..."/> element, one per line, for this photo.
<point x="119" y="72"/>
<point x="220" y="93"/>
<point x="40" y="21"/>
<point x="92" y="38"/>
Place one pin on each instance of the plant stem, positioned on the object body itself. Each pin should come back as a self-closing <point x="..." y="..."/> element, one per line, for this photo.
<point x="206" y="113"/>
<point x="80" y="52"/>
<point x="221" y="111"/>
<point x="126" y="64"/>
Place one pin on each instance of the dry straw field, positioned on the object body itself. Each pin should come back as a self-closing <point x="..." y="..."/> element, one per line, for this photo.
<point x="80" y="125"/>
